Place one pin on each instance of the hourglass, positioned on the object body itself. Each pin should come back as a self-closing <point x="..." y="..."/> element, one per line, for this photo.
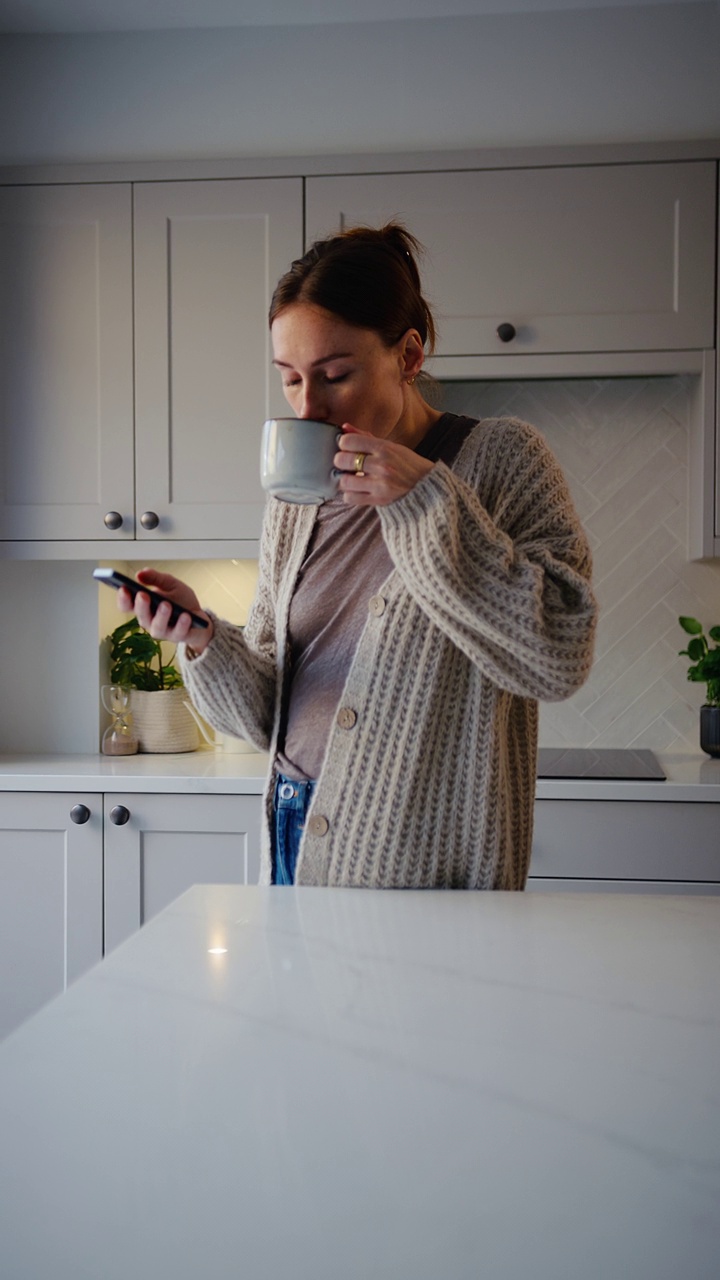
<point x="119" y="739"/>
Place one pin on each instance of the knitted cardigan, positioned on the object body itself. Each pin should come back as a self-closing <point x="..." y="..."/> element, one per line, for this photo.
<point x="429" y="775"/>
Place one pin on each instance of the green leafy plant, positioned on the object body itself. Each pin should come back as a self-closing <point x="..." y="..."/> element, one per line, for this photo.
<point x="706" y="660"/>
<point x="136" y="660"/>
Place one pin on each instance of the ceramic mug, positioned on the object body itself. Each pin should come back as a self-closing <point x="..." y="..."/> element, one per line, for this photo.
<point x="296" y="460"/>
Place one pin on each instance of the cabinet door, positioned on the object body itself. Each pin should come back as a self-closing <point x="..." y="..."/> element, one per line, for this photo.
<point x="50" y="898"/>
<point x="207" y="256"/>
<point x="66" y="402"/>
<point x="167" y="843"/>
<point x="592" y="258"/>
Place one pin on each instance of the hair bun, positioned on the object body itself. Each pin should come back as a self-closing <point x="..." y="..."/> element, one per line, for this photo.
<point x="404" y="243"/>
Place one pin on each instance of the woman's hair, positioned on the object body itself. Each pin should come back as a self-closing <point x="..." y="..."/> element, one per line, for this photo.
<point x="368" y="277"/>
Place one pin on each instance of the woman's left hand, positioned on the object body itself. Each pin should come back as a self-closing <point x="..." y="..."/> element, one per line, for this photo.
<point x="388" y="470"/>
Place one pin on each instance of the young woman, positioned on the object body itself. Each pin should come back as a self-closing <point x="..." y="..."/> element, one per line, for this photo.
<point x="401" y="634"/>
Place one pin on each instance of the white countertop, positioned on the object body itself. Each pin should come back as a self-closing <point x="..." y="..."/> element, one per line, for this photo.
<point x="689" y="777"/>
<point x="204" y="771"/>
<point x="375" y="1085"/>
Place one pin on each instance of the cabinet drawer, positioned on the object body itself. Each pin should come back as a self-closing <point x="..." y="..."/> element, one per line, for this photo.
<point x="626" y="840"/>
<point x="585" y="258"/>
<point x="693" y="888"/>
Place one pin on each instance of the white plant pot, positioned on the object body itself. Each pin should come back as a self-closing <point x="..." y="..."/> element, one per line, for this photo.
<point x="162" y="722"/>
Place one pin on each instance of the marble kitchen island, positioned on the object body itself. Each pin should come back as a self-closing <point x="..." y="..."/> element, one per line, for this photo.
<point x="365" y="1085"/>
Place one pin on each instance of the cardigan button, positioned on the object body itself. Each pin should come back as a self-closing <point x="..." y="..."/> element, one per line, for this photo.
<point x="318" y="825"/>
<point x="377" y="606"/>
<point x="346" y="717"/>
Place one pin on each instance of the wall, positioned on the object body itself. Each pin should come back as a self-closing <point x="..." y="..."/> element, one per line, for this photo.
<point x="641" y="73"/>
<point x="53" y="663"/>
<point x="49" y="668"/>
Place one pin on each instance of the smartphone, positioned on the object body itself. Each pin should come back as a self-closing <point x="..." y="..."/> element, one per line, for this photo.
<point x="113" y="578"/>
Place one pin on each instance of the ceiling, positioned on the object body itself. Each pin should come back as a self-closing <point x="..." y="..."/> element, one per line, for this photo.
<point x="74" y="16"/>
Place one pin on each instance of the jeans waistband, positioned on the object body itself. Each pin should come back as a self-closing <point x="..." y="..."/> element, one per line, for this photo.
<point x="290" y="794"/>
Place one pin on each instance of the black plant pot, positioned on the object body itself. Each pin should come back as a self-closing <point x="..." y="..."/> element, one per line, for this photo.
<point x="710" y="730"/>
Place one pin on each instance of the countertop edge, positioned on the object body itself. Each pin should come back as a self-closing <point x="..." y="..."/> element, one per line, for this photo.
<point x="197" y="773"/>
<point x="690" y="778"/>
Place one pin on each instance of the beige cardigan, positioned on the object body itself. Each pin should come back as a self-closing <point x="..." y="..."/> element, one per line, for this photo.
<point x="429" y="774"/>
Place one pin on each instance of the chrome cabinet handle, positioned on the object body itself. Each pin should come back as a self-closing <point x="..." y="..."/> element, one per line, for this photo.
<point x="119" y="815"/>
<point x="149" y="520"/>
<point x="113" y="520"/>
<point x="79" y="814"/>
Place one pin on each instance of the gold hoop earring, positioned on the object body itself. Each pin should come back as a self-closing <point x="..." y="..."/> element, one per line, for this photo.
<point x="411" y="380"/>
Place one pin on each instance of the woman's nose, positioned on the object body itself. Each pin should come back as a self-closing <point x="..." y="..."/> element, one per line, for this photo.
<point x="312" y="405"/>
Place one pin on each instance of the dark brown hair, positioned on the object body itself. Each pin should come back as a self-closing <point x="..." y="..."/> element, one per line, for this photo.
<point x="368" y="277"/>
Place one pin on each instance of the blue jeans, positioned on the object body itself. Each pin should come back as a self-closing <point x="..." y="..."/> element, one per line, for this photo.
<point x="292" y="801"/>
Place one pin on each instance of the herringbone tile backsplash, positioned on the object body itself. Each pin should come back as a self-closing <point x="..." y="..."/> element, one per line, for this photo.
<point x="623" y="444"/>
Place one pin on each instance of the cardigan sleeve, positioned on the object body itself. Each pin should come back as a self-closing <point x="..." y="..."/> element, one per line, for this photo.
<point x="233" y="681"/>
<point x="500" y="562"/>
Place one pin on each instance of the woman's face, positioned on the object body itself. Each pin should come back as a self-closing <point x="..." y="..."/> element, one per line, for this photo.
<point x="335" y="372"/>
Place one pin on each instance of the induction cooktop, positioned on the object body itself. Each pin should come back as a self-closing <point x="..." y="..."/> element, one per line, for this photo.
<point x="607" y="762"/>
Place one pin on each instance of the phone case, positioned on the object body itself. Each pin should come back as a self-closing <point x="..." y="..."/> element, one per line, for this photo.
<point x="113" y="578"/>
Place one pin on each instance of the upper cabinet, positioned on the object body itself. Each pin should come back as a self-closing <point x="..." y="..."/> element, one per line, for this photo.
<point x="66" y="389"/>
<point x="532" y="261"/>
<point x="207" y="256"/>
<point x="134" y="366"/>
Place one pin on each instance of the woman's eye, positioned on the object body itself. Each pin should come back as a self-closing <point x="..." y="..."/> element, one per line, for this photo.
<point x="292" y="382"/>
<point x="340" y="378"/>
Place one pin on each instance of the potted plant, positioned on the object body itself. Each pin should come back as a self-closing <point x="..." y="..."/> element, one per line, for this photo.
<point x="162" y="721"/>
<point x="705" y="670"/>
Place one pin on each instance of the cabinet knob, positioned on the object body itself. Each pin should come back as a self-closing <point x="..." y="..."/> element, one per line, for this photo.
<point x="149" y="520"/>
<point x="113" y="520"/>
<point x="119" y="815"/>
<point x="506" y="332"/>
<point x="79" y="814"/>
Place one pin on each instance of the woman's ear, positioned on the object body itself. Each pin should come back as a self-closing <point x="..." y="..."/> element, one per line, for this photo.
<point x="412" y="354"/>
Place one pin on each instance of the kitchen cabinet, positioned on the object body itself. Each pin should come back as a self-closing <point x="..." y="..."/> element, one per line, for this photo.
<point x="207" y="256"/>
<point x="157" y="846"/>
<point x="134" y="353"/>
<point x="51" y="886"/>
<point x="80" y="872"/>
<point x="66" y="373"/>
<point x="631" y="845"/>
<point x="588" y="258"/>
<point x="135" y="357"/>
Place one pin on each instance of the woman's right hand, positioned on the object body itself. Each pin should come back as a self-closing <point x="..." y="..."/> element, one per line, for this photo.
<point x="157" y="624"/>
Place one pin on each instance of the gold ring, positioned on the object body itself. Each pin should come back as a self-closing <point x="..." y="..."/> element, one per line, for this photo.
<point x="359" y="463"/>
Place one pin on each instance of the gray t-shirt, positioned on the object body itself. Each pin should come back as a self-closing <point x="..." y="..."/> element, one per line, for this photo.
<point x="345" y="565"/>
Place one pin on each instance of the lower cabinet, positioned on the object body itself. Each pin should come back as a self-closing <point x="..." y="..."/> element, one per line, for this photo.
<point x="157" y="846"/>
<point x="80" y="873"/>
<point x="628" y="846"/>
<point x="51" y="890"/>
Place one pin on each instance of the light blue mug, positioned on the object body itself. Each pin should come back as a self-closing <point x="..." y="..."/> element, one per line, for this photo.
<point x="296" y="459"/>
